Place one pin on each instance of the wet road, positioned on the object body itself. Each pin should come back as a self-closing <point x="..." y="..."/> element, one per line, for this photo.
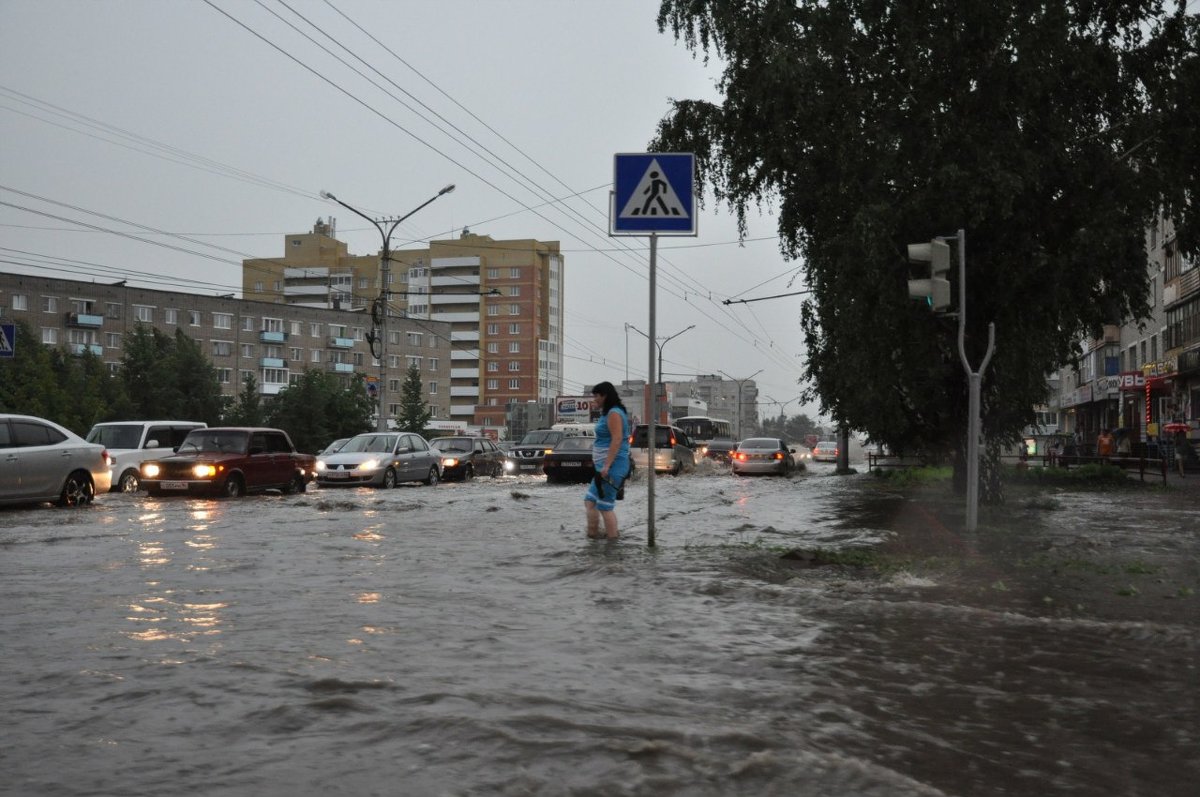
<point x="466" y="639"/>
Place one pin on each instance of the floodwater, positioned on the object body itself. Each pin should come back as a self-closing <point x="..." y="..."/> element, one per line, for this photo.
<point x="468" y="640"/>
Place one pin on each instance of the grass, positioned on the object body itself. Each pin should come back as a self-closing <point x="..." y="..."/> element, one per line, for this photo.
<point x="913" y="477"/>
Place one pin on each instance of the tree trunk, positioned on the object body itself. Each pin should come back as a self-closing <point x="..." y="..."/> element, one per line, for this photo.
<point x="991" y="488"/>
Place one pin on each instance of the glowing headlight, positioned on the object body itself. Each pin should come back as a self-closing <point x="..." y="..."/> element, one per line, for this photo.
<point x="509" y="464"/>
<point x="204" y="471"/>
<point x="370" y="464"/>
<point x="450" y="462"/>
<point x="150" y="470"/>
<point x="320" y="464"/>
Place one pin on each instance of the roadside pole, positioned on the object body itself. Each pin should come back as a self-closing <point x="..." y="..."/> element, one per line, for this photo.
<point x="975" y="380"/>
<point x="652" y="399"/>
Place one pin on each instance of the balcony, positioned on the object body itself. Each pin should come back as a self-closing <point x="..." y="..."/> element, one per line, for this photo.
<point x="85" y="320"/>
<point x="464" y="373"/>
<point x="453" y="298"/>
<point x="341" y="368"/>
<point x="457" y="281"/>
<point x="272" y="362"/>
<point x="466" y="390"/>
<point x="80" y="348"/>
<point x="272" y="337"/>
<point x="271" y="388"/>
<point x="341" y="343"/>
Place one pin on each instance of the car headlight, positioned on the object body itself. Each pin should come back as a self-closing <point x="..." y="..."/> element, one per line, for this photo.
<point x="320" y="465"/>
<point x="150" y="470"/>
<point x="370" y="464"/>
<point x="509" y="464"/>
<point x="449" y="462"/>
<point x="204" y="471"/>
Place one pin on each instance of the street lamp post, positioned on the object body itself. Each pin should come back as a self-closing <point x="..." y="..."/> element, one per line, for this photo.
<point x="660" y="346"/>
<point x="740" y="382"/>
<point x="379" y="310"/>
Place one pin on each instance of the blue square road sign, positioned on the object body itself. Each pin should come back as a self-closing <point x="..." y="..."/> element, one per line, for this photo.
<point x="653" y="192"/>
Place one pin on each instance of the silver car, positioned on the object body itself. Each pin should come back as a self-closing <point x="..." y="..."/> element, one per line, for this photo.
<point x="42" y="461"/>
<point x="380" y="459"/>
<point x="674" y="451"/>
<point x="825" y="451"/>
<point x="763" y="455"/>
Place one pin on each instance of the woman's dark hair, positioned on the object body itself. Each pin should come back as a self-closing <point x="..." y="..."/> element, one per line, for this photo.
<point x="611" y="398"/>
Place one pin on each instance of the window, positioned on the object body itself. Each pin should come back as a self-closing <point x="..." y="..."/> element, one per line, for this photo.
<point x="49" y="336"/>
<point x="296" y="242"/>
<point x="493" y="384"/>
<point x="493" y="348"/>
<point x="514" y="347"/>
<point x="224" y="375"/>
<point x="247" y="350"/>
<point x="433" y="363"/>
<point x="20" y="301"/>
<point x="493" y="273"/>
<point x="222" y="348"/>
<point x="432" y="341"/>
<point x="493" y="329"/>
<point x="362" y="283"/>
<point x="314" y="329"/>
<point x="315" y="356"/>
<point x="493" y="309"/>
<point x="414" y="339"/>
<point x="295" y="354"/>
<point x="274" y="376"/>
<point x="112" y="340"/>
<point x="514" y="290"/>
<point x="272" y="324"/>
<point x="171" y="316"/>
<point x="432" y="388"/>
<point x="258" y="286"/>
<point x="393" y="385"/>
<point x="514" y="365"/>
<point x="514" y="309"/>
<point x="1154" y="348"/>
<point x="359" y="359"/>
<point x="393" y="361"/>
<point x="49" y="304"/>
<point x="296" y="325"/>
<point x="514" y="272"/>
<point x="394" y="338"/>
<point x="514" y="384"/>
<point x="145" y="313"/>
<point x="222" y="321"/>
<point x="357" y="333"/>
<point x="412" y="362"/>
<point x="194" y="317"/>
<point x="247" y="324"/>
<point x="493" y="367"/>
<point x="112" y="310"/>
<point x="514" y="329"/>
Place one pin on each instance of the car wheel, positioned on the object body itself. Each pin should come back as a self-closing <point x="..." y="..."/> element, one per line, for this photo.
<point x="296" y="485"/>
<point x="77" y="490"/>
<point x="129" y="481"/>
<point x="675" y="471"/>
<point x="389" y="479"/>
<point x="234" y="487"/>
<point x="432" y="479"/>
<point x="468" y="473"/>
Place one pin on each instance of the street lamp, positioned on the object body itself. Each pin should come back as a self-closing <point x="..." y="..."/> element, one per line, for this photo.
<point x="740" y="382"/>
<point x="379" y="312"/>
<point x="665" y="341"/>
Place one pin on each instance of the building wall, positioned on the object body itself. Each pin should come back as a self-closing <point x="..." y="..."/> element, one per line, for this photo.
<point x="276" y="342"/>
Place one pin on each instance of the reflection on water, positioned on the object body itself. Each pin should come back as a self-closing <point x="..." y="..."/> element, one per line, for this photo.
<point x="462" y="640"/>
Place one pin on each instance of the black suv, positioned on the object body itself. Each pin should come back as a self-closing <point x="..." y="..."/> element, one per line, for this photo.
<point x="528" y="454"/>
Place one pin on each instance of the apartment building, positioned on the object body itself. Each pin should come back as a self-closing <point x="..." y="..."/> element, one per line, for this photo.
<point x="502" y="301"/>
<point x="275" y="342"/>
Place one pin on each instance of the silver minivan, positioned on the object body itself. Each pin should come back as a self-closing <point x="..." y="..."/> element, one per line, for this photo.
<point x="130" y="443"/>
<point x="674" y="451"/>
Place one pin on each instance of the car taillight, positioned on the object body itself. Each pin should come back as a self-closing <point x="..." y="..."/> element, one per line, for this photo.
<point x="778" y="455"/>
<point x="106" y="458"/>
<point x="672" y="441"/>
<point x="739" y="456"/>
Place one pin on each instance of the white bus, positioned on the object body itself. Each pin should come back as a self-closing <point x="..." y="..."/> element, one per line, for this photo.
<point x="703" y="430"/>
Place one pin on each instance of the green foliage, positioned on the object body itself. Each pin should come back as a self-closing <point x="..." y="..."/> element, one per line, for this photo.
<point x="1044" y="130"/>
<point x="318" y="407"/>
<point x="414" y="413"/>
<point x="169" y="377"/>
<point x="247" y="410"/>
<point x="1092" y="475"/>
<point x="912" y="477"/>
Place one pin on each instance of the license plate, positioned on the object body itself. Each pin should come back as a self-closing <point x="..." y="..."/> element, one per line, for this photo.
<point x="173" y="485"/>
<point x="337" y="474"/>
<point x="571" y="464"/>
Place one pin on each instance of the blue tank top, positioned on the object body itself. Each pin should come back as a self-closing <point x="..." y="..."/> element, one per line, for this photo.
<point x="604" y="439"/>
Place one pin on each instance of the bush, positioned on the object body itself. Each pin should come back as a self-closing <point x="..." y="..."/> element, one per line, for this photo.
<point x="1081" y="476"/>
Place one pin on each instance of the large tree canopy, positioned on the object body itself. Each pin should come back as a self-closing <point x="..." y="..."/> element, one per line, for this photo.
<point x="1051" y="132"/>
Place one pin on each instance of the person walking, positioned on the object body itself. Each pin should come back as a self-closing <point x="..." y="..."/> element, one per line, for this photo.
<point x="610" y="458"/>
<point x="1182" y="447"/>
<point x="1104" y="444"/>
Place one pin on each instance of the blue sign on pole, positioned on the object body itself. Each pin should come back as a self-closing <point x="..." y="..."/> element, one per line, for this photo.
<point x="653" y="192"/>
<point x="8" y="340"/>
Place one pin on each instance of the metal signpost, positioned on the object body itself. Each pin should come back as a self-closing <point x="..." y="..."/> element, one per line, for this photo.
<point x="653" y="194"/>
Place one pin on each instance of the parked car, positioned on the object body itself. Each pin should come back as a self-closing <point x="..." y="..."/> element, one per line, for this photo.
<point x="764" y="455"/>
<point x="333" y="447"/>
<point x="825" y="451"/>
<point x="570" y="460"/>
<point x="380" y="459"/>
<point x="230" y="461"/>
<point x="528" y="455"/>
<point x="673" y="449"/>
<point x="42" y="461"/>
<point x="466" y="457"/>
<point x="130" y="443"/>
<point x="720" y="450"/>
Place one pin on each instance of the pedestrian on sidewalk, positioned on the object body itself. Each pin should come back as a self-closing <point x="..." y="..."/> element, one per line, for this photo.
<point x="1104" y="444"/>
<point x="1182" y="450"/>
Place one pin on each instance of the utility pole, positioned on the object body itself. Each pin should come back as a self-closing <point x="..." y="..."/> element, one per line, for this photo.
<point x="379" y="308"/>
<point x="740" y="382"/>
<point x="975" y="380"/>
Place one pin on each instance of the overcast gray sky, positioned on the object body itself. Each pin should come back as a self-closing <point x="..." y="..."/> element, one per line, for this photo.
<point x="219" y="121"/>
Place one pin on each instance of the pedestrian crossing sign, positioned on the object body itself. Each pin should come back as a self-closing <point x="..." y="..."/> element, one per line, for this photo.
<point x="653" y="192"/>
<point x="8" y="339"/>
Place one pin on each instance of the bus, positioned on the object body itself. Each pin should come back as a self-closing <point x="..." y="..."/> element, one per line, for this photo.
<point x="703" y="430"/>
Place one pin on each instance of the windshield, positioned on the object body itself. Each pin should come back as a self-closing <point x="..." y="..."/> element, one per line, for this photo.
<point x="123" y="436"/>
<point x="575" y="444"/>
<point x="541" y="438"/>
<point x="215" y="441"/>
<point x="457" y="444"/>
<point x="369" y="443"/>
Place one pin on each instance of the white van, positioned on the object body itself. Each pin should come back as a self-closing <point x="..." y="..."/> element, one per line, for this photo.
<point x="130" y="443"/>
<point x="575" y="429"/>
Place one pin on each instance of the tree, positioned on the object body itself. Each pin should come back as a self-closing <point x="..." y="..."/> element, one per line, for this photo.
<point x="414" y="413"/>
<point x="198" y="389"/>
<point x="169" y="377"/>
<point x="247" y="410"/>
<point x="1041" y="129"/>
<point x="318" y="408"/>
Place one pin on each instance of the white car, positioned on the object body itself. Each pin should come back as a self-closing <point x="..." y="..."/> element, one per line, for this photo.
<point x="825" y="451"/>
<point x="42" y="461"/>
<point x="130" y="443"/>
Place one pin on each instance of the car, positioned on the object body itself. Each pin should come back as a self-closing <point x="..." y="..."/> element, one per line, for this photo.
<point x="825" y="451"/>
<point x="719" y="450"/>
<point x="527" y="456"/>
<point x="380" y="459"/>
<point x="41" y="461"/>
<point x="230" y="461"/>
<point x="763" y="455"/>
<point x="467" y="457"/>
<point x="130" y="443"/>
<point x="673" y="449"/>
<point x="570" y="461"/>
<point x="333" y="447"/>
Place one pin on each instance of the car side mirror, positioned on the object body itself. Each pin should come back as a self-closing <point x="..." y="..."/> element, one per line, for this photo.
<point x="151" y="444"/>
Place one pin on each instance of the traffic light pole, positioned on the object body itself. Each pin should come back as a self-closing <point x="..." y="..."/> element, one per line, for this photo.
<point x="975" y="381"/>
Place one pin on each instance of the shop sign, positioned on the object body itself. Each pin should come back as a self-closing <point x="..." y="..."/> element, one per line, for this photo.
<point x="1131" y="380"/>
<point x="1080" y="395"/>
<point x="573" y="409"/>
<point x="1189" y="361"/>
<point x="1107" y="385"/>
<point x="1160" y="368"/>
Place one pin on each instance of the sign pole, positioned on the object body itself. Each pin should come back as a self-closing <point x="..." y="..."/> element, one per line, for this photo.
<point x="652" y="401"/>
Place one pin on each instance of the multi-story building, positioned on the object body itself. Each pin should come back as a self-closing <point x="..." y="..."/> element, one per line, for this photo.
<point x="274" y="342"/>
<point x="501" y="300"/>
<point x="707" y="394"/>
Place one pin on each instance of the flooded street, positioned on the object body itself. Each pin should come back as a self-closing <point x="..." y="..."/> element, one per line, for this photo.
<point x="467" y="639"/>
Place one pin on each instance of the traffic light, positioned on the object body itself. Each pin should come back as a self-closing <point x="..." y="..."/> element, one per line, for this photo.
<point x="936" y="289"/>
